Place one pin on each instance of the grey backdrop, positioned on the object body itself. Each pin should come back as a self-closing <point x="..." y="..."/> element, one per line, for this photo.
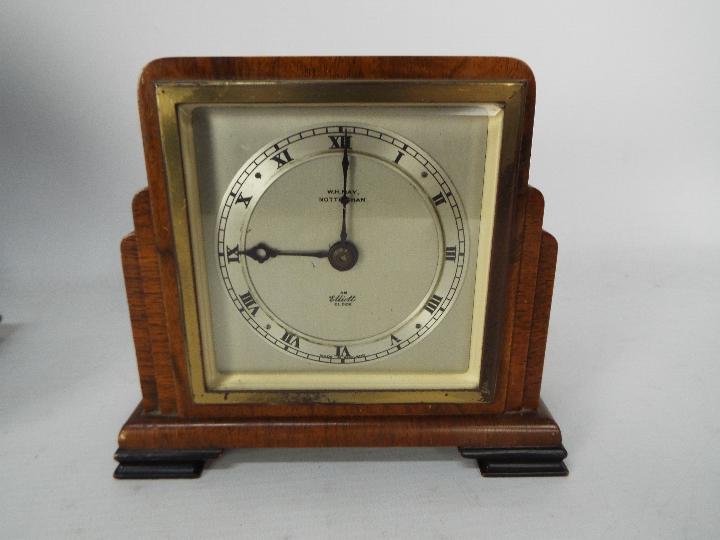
<point x="625" y="152"/>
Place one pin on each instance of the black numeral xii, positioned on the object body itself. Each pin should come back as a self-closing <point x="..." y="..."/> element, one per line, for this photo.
<point x="340" y="141"/>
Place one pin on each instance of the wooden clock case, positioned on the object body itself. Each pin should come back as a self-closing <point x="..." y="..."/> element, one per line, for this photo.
<point x="169" y="435"/>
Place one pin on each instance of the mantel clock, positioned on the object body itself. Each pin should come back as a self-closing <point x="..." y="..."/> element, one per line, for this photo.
<point x="338" y="252"/>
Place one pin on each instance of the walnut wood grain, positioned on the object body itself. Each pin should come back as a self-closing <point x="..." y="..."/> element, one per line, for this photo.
<point x="529" y="429"/>
<point x="138" y="321"/>
<point x="525" y="297"/>
<point x="541" y="320"/>
<point x="152" y="291"/>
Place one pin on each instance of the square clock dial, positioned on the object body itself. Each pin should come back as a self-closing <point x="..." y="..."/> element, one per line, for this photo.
<point x="338" y="237"/>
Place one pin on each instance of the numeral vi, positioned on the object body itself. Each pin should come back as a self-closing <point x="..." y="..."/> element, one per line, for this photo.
<point x="342" y="352"/>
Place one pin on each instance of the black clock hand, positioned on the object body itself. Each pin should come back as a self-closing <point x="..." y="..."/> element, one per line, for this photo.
<point x="344" y="199"/>
<point x="343" y="255"/>
<point x="262" y="252"/>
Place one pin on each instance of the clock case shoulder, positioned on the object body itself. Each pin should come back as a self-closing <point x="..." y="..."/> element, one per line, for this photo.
<point x="162" y="372"/>
<point x="167" y="418"/>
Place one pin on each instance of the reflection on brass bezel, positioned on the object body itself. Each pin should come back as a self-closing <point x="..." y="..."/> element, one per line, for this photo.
<point x="509" y="95"/>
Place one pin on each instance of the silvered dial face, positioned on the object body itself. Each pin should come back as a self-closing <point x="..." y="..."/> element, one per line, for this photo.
<point x="341" y="243"/>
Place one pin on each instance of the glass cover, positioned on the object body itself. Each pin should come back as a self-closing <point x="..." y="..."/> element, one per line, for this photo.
<point x="343" y="246"/>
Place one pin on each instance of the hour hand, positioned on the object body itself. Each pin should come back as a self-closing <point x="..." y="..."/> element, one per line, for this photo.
<point x="262" y="252"/>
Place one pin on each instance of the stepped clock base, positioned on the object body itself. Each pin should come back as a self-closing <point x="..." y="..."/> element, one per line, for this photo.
<point x="152" y="464"/>
<point x="498" y="462"/>
<point x="506" y="444"/>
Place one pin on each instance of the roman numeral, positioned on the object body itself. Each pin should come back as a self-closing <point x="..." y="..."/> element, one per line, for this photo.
<point x="233" y="254"/>
<point x="244" y="200"/>
<point x="249" y="303"/>
<point x="283" y="158"/>
<point x="433" y="303"/>
<point x="342" y="352"/>
<point x="450" y="253"/>
<point x="399" y="156"/>
<point x="394" y="340"/>
<point x="438" y="199"/>
<point x="340" y="141"/>
<point x="291" y="339"/>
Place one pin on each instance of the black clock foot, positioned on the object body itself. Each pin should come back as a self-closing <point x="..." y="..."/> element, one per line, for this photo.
<point x="149" y="464"/>
<point x="519" y="461"/>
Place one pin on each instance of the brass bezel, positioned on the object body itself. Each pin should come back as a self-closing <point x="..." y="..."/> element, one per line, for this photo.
<point x="510" y="95"/>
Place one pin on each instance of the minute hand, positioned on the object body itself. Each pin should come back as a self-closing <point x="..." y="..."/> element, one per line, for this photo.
<point x="262" y="252"/>
<point x="344" y="199"/>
